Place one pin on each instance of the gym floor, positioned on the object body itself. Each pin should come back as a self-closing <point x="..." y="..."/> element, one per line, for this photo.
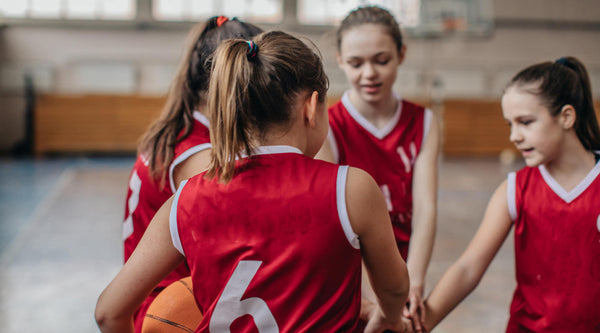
<point x="60" y="240"/>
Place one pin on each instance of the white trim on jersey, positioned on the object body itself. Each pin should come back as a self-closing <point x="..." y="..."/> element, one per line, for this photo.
<point x="511" y="195"/>
<point x="268" y="150"/>
<point x="379" y="133"/>
<point x="333" y="145"/>
<point x="173" y="220"/>
<point x="201" y="118"/>
<point x="577" y="190"/>
<point x="186" y="154"/>
<point x="427" y="117"/>
<point x="343" y="209"/>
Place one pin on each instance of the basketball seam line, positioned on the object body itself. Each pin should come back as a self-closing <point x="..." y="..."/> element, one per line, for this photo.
<point x="188" y="287"/>
<point x="166" y="321"/>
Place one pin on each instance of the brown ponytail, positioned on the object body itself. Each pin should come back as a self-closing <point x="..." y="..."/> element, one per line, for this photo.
<point x="256" y="90"/>
<point x="187" y="92"/>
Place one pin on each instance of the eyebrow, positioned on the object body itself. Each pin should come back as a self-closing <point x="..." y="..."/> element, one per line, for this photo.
<point x="370" y="56"/>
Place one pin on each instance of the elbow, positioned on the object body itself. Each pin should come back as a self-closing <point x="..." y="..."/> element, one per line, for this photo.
<point x="401" y="288"/>
<point x="470" y="275"/>
<point x="101" y="316"/>
<point x="106" y="318"/>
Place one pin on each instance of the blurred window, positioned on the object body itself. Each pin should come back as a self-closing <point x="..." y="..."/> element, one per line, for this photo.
<point x="331" y="12"/>
<point x="263" y="11"/>
<point x="68" y="9"/>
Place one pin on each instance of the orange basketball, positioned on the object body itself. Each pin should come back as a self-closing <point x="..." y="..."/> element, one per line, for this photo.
<point x="174" y="310"/>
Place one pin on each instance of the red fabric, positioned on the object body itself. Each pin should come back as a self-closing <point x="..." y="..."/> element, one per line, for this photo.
<point x="383" y="158"/>
<point x="150" y="197"/>
<point x="280" y="211"/>
<point x="557" y="250"/>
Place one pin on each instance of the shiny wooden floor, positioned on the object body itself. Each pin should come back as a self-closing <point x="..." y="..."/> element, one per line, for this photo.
<point x="60" y="240"/>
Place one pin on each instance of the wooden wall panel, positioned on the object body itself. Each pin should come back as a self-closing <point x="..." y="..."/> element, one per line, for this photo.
<point x="92" y="123"/>
<point x="474" y="128"/>
<point x="114" y="124"/>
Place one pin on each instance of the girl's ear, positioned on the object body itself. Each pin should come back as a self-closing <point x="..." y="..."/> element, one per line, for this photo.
<point x="401" y="54"/>
<point x="567" y="116"/>
<point x="310" y="108"/>
<point x="338" y="56"/>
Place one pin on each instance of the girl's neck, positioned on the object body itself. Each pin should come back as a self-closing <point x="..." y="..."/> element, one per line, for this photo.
<point x="377" y="113"/>
<point x="572" y="165"/>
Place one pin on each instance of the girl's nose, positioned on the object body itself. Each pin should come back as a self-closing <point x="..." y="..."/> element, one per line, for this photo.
<point x="369" y="70"/>
<point x="515" y="135"/>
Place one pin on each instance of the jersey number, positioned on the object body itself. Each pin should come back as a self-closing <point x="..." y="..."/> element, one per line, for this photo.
<point x="408" y="161"/>
<point x="230" y="305"/>
<point x="135" y="183"/>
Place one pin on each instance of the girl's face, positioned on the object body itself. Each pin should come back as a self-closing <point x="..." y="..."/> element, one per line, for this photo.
<point x="533" y="130"/>
<point x="370" y="59"/>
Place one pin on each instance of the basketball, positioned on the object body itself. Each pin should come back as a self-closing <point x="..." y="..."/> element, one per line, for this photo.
<point x="174" y="310"/>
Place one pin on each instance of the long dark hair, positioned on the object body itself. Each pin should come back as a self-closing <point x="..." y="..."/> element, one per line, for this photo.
<point x="259" y="83"/>
<point x="559" y="83"/>
<point x="188" y="91"/>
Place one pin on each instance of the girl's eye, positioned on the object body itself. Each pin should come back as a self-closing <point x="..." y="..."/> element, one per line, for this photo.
<point x="526" y="122"/>
<point x="383" y="62"/>
<point x="354" y="64"/>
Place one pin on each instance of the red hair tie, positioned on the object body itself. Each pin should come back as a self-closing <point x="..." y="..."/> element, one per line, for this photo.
<point x="221" y="20"/>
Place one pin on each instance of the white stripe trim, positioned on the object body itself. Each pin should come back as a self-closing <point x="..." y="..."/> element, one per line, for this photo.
<point x="343" y="209"/>
<point x="333" y="145"/>
<point x="426" y="126"/>
<point x="511" y="195"/>
<point x="577" y="190"/>
<point x="173" y="220"/>
<point x="379" y="133"/>
<point x="183" y="157"/>
<point x="268" y="150"/>
<point x="201" y="118"/>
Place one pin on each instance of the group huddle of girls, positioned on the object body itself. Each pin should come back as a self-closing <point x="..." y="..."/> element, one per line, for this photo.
<point x="291" y="217"/>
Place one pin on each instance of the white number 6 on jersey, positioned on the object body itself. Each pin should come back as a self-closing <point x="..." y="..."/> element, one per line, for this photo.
<point x="230" y="305"/>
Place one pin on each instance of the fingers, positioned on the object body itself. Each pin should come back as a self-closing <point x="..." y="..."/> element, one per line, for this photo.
<point x="408" y="325"/>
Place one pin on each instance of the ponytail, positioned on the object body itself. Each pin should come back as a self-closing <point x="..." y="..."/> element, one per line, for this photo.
<point x="187" y="92"/>
<point x="586" y="122"/>
<point x="258" y="86"/>
<point x="230" y="119"/>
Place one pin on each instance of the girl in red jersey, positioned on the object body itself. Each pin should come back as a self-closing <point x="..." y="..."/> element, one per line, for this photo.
<point x="274" y="239"/>
<point x="552" y="202"/>
<point x="394" y="140"/>
<point x="177" y="145"/>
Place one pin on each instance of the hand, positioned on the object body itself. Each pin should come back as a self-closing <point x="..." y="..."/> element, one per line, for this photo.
<point x="378" y="323"/>
<point x="415" y="309"/>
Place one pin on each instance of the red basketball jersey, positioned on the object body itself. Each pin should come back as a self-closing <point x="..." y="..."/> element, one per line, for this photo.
<point x="272" y="249"/>
<point x="557" y="253"/>
<point x="145" y="196"/>
<point x="387" y="154"/>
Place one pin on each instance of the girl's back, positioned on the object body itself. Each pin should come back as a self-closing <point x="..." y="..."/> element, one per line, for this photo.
<point x="285" y="213"/>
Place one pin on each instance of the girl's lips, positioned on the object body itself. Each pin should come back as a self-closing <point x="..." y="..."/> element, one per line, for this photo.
<point x="371" y="88"/>
<point x="526" y="152"/>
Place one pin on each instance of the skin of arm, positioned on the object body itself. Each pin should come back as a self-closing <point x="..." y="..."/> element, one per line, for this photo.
<point x="387" y="270"/>
<point x="464" y="275"/>
<point x="191" y="166"/>
<point x="423" y="221"/>
<point x="154" y="257"/>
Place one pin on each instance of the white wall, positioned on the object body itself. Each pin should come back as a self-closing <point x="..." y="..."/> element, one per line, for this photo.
<point x="137" y="61"/>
